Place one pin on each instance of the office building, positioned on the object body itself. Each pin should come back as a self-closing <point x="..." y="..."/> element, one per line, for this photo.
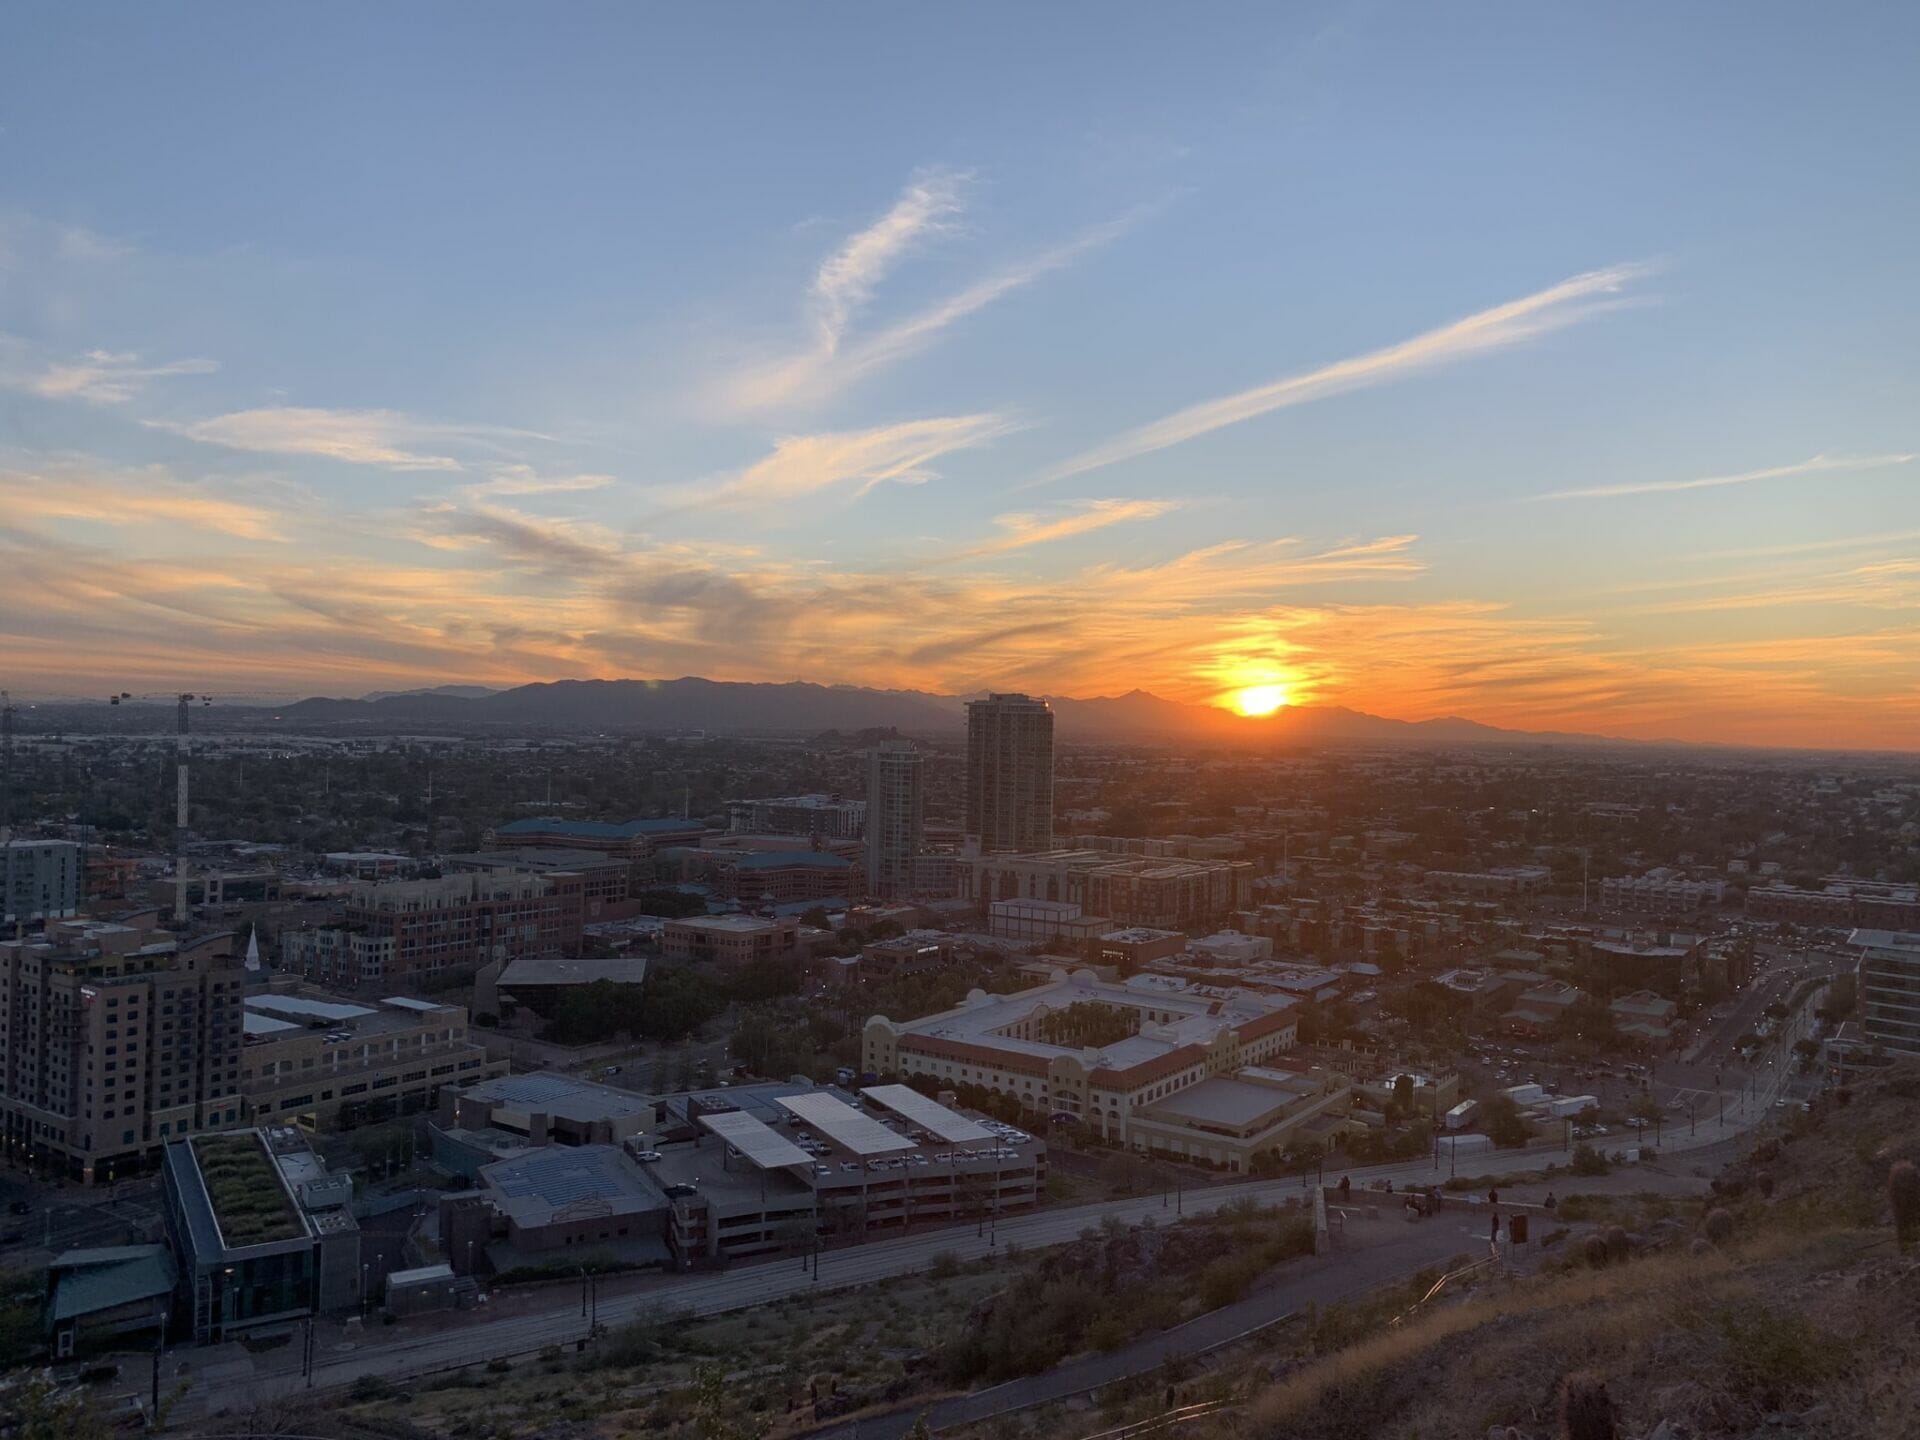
<point x="606" y="881"/>
<point x="118" y="1039"/>
<point x="818" y="817"/>
<point x="39" y="880"/>
<point x="407" y="929"/>
<point x="630" y="839"/>
<point x="730" y="941"/>
<point x="1154" y="1064"/>
<point x="1163" y="894"/>
<point x="1889" y="980"/>
<point x="1010" y="773"/>
<point x="317" y="1061"/>
<point x="262" y="1233"/>
<point x="896" y="804"/>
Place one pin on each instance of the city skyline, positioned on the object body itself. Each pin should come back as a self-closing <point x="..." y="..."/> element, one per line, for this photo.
<point x="1357" y="356"/>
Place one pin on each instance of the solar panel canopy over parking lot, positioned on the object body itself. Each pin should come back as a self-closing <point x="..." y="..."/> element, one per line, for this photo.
<point x="929" y="1115"/>
<point x="766" y="1148"/>
<point x="844" y="1125"/>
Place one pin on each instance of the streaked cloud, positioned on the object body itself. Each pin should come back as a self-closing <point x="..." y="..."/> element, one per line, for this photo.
<point x="848" y="279"/>
<point x="1025" y="528"/>
<point x="1814" y="465"/>
<point x="387" y="439"/>
<point x="851" y="463"/>
<point x="1501" y="327"/>
<point x="76" y="492"/>
<point x="104" y="377"/>
<point x="525" y="480"/>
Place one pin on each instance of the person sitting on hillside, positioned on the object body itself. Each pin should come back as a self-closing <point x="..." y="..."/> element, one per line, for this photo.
<point x="1549" y="1203"/>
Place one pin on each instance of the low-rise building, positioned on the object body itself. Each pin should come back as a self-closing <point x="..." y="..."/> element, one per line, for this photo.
<point x="1889" y="983"/>
<point x="409" y="929"/>
<point x="731" y="941"/>
<point x="1538" y="1009"/>
<point x="915" y="953"/>
<point x="828" y="817"/>
<point x="1644" y="1018"/>
<point x="606" y="881"/>
<point x="1105" y="1053"/>
<point x="1170" y="894"/>
<point x="1665" y="891"/>
<point x="777" y="877"/>
<point x="630" y="839"/>
<point x="261" y="1233"/>
<point x="318" y="1061"/>
<point x="1044" y="922"/>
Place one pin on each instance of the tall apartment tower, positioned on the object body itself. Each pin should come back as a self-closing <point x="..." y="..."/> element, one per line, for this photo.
<point x="1010" y="773"/>
<point x="896" y="804"/>
<point x="117" y="1039"/>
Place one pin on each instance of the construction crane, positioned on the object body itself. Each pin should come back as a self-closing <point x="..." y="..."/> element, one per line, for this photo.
<point x="184" y="701"/>
<point x="6" y="767"/>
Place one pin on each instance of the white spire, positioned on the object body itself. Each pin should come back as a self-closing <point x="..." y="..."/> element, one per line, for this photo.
<point x="253" y="950"/>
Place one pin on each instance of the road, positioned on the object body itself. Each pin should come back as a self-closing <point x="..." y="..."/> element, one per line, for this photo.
<point x="231" y="1378"/>
<point x="1374" y="1253"/>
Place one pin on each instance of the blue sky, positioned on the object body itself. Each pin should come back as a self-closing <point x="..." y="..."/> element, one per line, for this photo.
<point x="1377" y="351"/>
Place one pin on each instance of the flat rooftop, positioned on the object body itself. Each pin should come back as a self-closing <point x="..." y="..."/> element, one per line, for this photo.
<point x="565" y="1182"/>
<point x="560" y="1096"/>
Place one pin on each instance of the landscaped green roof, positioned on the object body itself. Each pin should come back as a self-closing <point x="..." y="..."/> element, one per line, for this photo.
<point x="249" y="1202"/>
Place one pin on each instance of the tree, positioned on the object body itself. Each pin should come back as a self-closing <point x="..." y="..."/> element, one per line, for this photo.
<point x="1503" y="1122"/>
<point x="37" y="1408"/>
<point x="1403" y="1094"/>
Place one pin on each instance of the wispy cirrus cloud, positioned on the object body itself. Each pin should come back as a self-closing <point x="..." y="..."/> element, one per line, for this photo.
<point x="74" y="491"/>
<point x="387" y="439"/>
<point x="1022" y="529"/>
<point x="104" y="377"/>
<point x="525" y="480"/>
<point x="851" y="463"/>
<point x="849" y="278"/>
<point x="1498" y="328"/>
<point x="1813" y="465"/>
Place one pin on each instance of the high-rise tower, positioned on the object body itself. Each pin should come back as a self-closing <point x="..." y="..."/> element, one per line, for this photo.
<point x="1010" y="773"/>
<point x="895" y="807"/>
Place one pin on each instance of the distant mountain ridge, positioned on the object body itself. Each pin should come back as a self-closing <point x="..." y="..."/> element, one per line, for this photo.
<point x="692" y="703"/>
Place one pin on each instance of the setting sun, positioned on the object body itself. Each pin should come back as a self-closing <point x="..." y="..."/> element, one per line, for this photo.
<point x="1259" y="699"/>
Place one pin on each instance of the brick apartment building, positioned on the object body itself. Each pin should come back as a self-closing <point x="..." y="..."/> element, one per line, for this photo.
<point x="409" y="929"/>
<point x="118" y="1039"/>
<point x="1130" y="890"/>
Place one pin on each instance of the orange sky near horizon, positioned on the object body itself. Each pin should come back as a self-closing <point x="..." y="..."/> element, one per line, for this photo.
<point x="141" y="583"/>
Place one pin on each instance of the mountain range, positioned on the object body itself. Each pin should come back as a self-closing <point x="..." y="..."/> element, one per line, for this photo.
<point x="800" y="707"/>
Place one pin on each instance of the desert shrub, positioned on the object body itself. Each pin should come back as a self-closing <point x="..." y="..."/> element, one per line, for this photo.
<point x="1586" y="1409"/>
<point x="1776" y="1354"/>
<point x="944" y="1265"/>
<point x="1719" y="1225"/>
<point x="1594" y="1251"/>
<point x="1763" y="1182"/>
<point x="1619" y="1247"/>
<point x="1767" y="1151"/>
<point x="1587" y="1160"/>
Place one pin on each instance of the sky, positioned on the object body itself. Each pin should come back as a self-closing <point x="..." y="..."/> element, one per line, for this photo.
<point x="1554" y="366"/>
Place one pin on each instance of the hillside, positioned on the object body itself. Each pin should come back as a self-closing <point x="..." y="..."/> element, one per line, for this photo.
<point x="1798" y="1319"/>
<point x="799" y="707"/>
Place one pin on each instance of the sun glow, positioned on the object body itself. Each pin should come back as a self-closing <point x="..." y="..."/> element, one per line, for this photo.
<point x="1259" y="699"/>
